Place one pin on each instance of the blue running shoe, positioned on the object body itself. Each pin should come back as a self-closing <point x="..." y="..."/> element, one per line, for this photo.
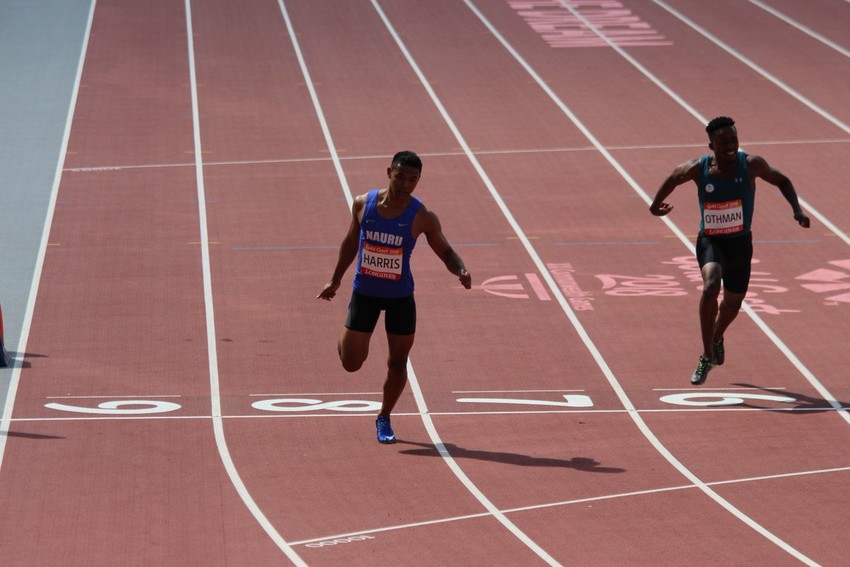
<point x="385" y="430"/>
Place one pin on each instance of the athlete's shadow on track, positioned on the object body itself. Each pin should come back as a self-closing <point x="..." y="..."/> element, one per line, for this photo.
<point x="806" y="403"/>
<point x="30" y="435"/>
<point x="585" y="464"/>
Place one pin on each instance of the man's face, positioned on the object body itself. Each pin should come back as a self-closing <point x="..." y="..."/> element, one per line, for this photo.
<point x="724" y="142"/>
<point x="403" y="179"/>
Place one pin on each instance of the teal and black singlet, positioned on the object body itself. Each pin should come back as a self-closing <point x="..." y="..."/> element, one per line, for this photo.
<point x="726" y="205"/>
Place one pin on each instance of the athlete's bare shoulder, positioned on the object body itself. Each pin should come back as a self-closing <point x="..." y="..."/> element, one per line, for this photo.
<point x="757" y="164"/>
<point x="684" y="172"/>
<point x="425" y="220"/>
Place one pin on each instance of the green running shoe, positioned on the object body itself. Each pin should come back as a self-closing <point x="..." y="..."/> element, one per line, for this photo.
<point x="719" y="353"/>
<point x="701" y="373"/>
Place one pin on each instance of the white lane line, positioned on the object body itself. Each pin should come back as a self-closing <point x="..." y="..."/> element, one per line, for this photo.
<point x="215" y="394"/>
<point x="42" y="248"/>
<point x="621" y="394"/>
<point x="411" y="373"/>
<point x="330" y="414"/>
<point x="511" y="152"/>
<point x="805" y="29"/>
<point x="444" y="452"/>
<point x="512" y="391"/>
<point x="755" y="67"/>
<point x="798" y="364"/>
<point x="571" y="503"/>
<point x="320" y="114"/>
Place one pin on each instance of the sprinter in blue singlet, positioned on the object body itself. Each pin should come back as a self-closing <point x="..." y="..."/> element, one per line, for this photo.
<point x="385" y="224"/>
<point x="726" y="188"/>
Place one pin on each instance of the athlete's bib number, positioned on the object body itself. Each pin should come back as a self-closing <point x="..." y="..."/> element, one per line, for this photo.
<point x="723" y="218"/>
<point x="381" y="261"/>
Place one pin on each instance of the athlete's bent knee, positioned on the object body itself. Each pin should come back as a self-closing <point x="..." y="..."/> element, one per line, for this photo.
<point x="711" y="288"/>
<point x="351" y="364"/>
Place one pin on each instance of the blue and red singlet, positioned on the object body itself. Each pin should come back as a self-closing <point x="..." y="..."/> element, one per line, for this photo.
<point x="383" y="260"/>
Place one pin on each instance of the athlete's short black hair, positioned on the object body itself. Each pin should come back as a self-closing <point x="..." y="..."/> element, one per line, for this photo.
<point x="408" y="159"/>
<point x="718" y="123"/>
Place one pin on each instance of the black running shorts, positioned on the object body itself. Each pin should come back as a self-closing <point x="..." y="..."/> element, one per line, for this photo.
<point x="399" y="316"/>
<point x="735" y="256"/>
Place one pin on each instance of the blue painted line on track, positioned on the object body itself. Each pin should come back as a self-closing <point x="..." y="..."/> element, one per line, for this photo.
<point x="331" y="247"/>
<point x="612" y="243"/>
<point x="264" y="248"/>
<point x="785" y="241"/>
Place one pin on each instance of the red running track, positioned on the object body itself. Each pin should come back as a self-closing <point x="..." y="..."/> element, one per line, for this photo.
<point x="181" y="402"/>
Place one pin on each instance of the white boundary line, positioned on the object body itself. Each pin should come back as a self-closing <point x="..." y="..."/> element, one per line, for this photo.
<point x="573" y="502"/>
<point x="42" y="249"/>
<point x="215" y="395"/>
<point x="543" y="270"/>
<point x="319" y="414"/>
<point x="414" y="384"/>
<point x="755" y="67"/>
<point x="515" y="151"/>
<point x="780" y="344"/>
<point x="806" y="30"/>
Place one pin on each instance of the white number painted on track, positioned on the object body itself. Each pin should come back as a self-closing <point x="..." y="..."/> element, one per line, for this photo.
<point x="578" y="401"/>
<point x="307" y="404"/>
<point x="132" y="407"/>
<point x="116" y="407"/>
<point x="707" y="399"/>
<point x="340" y="540"/>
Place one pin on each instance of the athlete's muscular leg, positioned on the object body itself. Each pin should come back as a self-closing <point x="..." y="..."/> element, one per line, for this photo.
<point x="399" y="347"/>
<point x="353" y="348"/>
<point x="712" y="275"/>
<point x="729" y="308"/>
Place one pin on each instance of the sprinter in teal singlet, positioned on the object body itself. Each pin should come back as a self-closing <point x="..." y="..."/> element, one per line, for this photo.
<point x="726" y="188"/>
<point x="385" y="224"/>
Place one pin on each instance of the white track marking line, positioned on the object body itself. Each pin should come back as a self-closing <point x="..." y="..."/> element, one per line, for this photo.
<point x="512" y="391"/>
<point x="42" y="249"/>
<point x="319" y="415"/>
<point x="572" y="503"/>
<point x="641" y="424"/>
<point x="515" y="151"/>
<point x="411" y="373"/>
<point x="699" y="117"/>
<point x="806" y="30"/>
<point x="755" y="67"/>
<point x="320" y="114"/>
<point x="798" y="364"/>
<point x="447" y="457"/>
<point x="624" y="399"/>
<point x="215" y="399"/>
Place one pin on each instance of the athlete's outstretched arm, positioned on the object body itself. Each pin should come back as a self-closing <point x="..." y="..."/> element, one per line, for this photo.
<point x="347" y="251"/>
<point x="682" y="174"/>
<point x="441" y="247"/>
<point x="760" y="168"/>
